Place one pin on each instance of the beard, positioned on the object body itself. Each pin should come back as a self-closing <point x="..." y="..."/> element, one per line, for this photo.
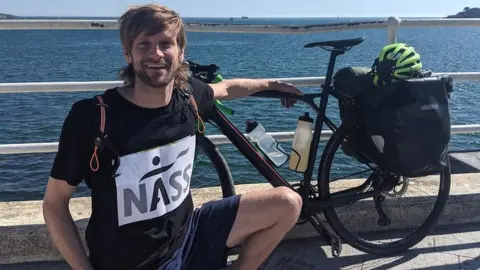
<point x="156" y="78"/>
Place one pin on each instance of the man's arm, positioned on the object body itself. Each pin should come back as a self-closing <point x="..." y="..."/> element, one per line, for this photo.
<point x="68" y="170"/>
<point x="60" y="223"/>
<point x="235" y="88"/>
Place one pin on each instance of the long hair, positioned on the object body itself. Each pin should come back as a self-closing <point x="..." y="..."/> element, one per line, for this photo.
<point x="152" y="18"/>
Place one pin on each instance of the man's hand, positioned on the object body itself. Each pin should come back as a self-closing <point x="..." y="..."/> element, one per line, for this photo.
<point x="285" y="87"/>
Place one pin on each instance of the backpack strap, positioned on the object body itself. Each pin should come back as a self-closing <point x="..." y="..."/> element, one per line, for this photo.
<point x="102" y="140"/>
<point x="94" y="162"/>
<point x="188" y="93"/>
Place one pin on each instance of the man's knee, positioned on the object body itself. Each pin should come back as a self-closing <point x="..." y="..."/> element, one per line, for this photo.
<point x="293" y="202"/>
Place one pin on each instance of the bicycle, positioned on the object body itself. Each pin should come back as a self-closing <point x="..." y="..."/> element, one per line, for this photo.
<point x="317" y="198"/>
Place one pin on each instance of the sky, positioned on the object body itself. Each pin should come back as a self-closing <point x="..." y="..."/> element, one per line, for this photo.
<point x="237" y="8"/>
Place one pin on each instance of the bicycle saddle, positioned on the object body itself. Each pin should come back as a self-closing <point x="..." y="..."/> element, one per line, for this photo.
<point x="338" y="45"/>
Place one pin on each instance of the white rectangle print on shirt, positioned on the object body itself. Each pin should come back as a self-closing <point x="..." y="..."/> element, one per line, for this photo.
<point x="154" y="182"/>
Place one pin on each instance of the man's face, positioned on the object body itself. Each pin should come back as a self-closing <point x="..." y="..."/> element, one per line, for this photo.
<point x="155" y="58"/>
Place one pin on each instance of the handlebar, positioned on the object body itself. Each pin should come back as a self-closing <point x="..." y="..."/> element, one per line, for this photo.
<point x="205" y="73"/>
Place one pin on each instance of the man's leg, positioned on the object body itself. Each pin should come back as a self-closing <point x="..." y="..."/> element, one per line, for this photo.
<point x="263" y="218"/>
<point x="258" y="220"/>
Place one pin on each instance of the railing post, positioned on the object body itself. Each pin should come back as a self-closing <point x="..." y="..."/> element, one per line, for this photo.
<point x="393" y="25"/>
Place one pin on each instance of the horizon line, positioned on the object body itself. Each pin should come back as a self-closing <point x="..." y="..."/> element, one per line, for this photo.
<point x="239" y="17"/>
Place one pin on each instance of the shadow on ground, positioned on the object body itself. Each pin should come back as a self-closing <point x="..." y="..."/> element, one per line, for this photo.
<point x="448" y="247"/>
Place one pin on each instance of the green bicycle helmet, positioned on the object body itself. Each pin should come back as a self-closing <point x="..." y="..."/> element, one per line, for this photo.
<point x="395" y="62"/>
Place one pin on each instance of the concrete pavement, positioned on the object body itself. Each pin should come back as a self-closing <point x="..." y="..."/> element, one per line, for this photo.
<point x="455" y="247"/>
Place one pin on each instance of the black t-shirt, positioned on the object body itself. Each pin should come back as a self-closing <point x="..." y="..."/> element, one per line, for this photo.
<point x="139" y="216"/>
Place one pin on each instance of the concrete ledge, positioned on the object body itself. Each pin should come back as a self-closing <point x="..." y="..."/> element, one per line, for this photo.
<point x="24" y="236"/>
<point x="465" y="161"/>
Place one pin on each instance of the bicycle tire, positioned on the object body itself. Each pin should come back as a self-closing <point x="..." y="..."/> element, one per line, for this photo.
<point x="391" y="248"/>
<point x="219" y="162"/>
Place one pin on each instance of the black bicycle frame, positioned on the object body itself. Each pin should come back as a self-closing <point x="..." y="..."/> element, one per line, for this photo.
<point x="263" y="166"/>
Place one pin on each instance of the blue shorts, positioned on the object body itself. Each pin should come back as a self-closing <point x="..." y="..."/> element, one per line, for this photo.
<point x="204" y="246"/>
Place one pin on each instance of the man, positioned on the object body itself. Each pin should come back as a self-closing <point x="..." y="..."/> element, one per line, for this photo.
<point x="142" y="210"/>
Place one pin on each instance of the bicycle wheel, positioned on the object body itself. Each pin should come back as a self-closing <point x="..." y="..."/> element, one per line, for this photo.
<point x="354" y="236"/>
<point x="205" y="147"/>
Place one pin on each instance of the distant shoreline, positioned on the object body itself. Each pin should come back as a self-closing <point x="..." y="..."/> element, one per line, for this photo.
<point x="4" y="16"/>
<point x="224" y="17"/>
<point x="467" y="13"/>
<point x="223" y="24"/>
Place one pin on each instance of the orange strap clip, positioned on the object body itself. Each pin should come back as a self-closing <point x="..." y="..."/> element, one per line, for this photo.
<point x="98" y="140"/>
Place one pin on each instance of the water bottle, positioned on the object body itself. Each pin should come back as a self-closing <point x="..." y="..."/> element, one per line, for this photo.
<point x="266" y="143"/>
<point x="301" y="144"/>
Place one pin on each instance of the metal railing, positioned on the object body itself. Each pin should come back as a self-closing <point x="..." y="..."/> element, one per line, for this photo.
<point x="50" y="147"/>
<point x="21" y="24"/>
<point x="392" y="23"/>
<point x="217" y="139"/>
<point x="44" y="87"/>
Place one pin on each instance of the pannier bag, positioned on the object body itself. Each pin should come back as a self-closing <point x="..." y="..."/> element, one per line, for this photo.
<point x="352" y="81"/>
<point x="349" y="83"/>
<point x="404" y="126"/>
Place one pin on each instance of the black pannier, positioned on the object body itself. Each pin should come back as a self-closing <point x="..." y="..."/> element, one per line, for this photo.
<point x="350" y="83"/>
<point x="403" y="127"/>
